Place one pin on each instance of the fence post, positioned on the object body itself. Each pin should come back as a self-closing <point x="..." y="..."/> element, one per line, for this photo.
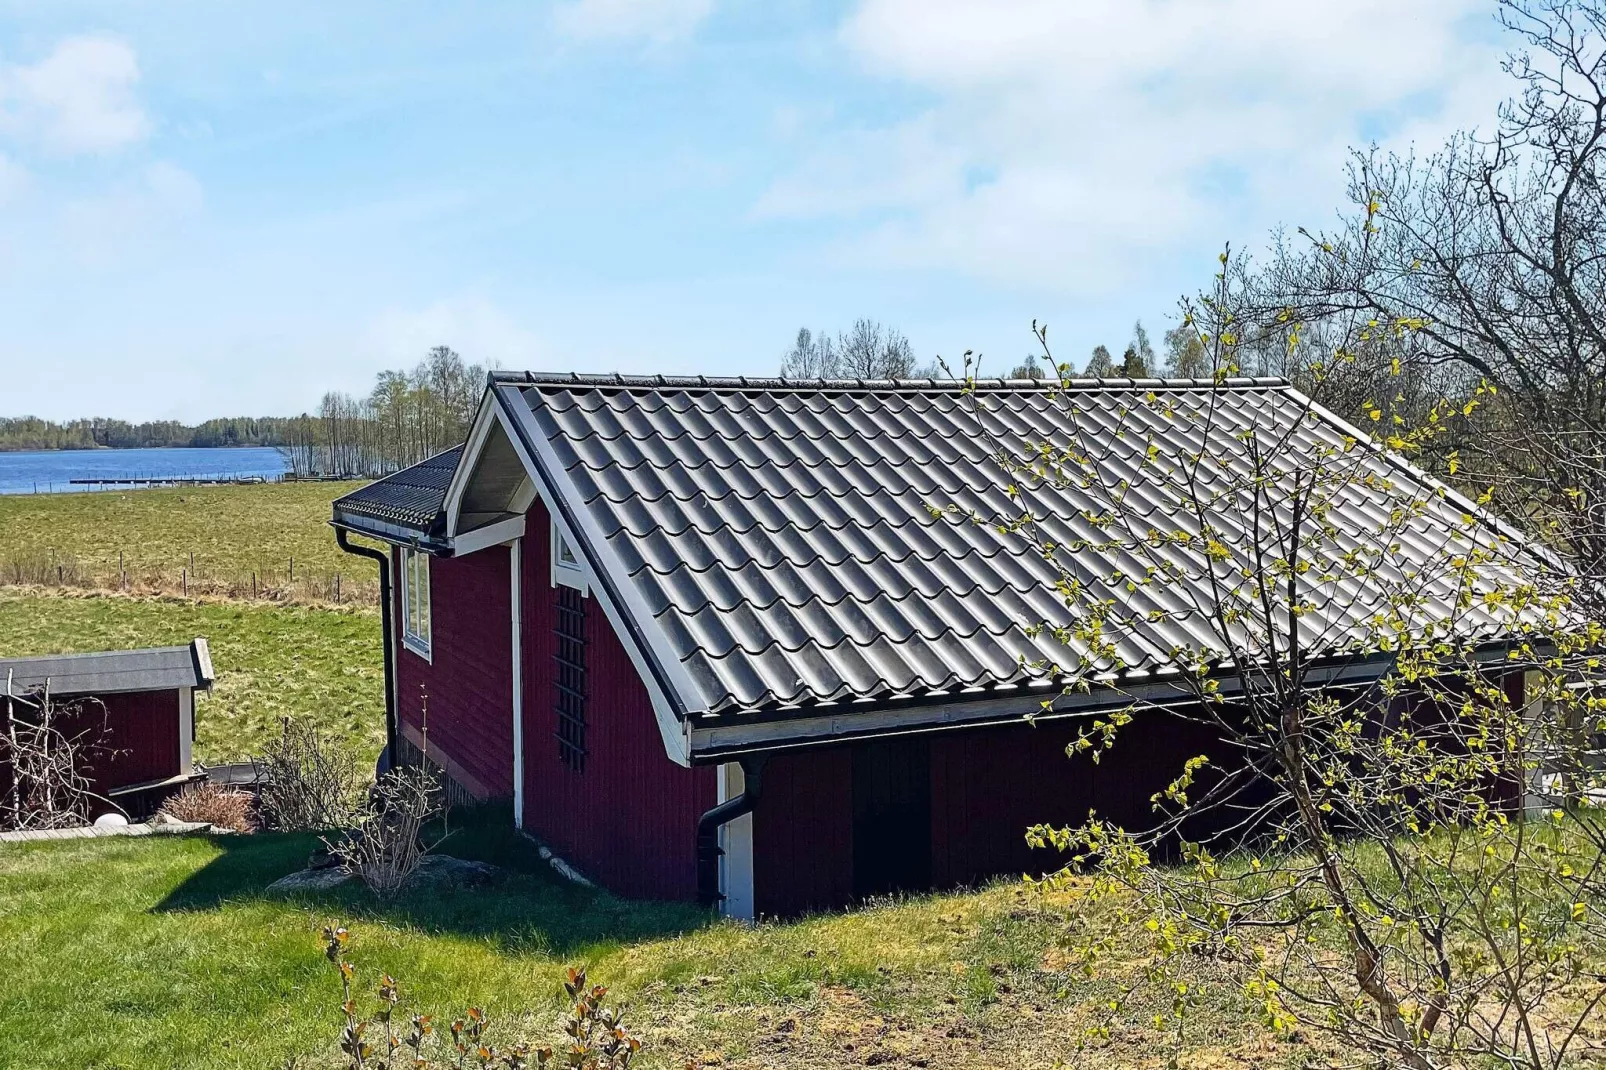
<point x="184" y="577"/>
<point x="337" y="588"/>
<point x="253" y="586"/>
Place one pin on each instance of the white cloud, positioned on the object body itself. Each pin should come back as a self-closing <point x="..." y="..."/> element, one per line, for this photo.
<point x="656" y="20"/>
<point x="476" y="327"/>
<point x="1074" y="146"/>
<point x="79" y="99"/>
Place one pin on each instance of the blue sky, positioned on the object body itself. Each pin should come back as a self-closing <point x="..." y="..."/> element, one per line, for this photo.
<point x="227" y="208"/>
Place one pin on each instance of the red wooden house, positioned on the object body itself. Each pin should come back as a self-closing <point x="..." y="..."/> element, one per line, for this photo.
<point x="132" y="712"/>
<point x="708" y="639"/>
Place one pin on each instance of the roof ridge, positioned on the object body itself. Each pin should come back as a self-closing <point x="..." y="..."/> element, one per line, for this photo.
<point x="619" y="381"/>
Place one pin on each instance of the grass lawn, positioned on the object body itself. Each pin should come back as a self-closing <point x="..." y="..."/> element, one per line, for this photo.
<point x="232" y="531"/>
<point x="270" y="659"/>
<point x="165" y="952"/>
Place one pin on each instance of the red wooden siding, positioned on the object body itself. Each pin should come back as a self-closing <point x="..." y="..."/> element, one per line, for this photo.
<point x="128" y="737"/>
<point x="988" y="786"/>
<point x="141" y="741"/>
<point x="803" y="832"/>
<point x="629" y="820"/>
<point x="470" y="677"/>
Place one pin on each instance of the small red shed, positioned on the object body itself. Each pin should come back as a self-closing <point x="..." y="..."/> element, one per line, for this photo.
<point x="724" y="638"/>
<point x="134" y="710"/>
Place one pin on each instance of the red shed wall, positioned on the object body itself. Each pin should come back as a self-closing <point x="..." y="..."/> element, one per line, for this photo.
<point x="469" y="678"/>
<point x="803" y="832"/>
<point x="130" y="738"/>
<point x="988" y="786"/>
<point x="629" y="819"/>
<point x="141" y="741"/>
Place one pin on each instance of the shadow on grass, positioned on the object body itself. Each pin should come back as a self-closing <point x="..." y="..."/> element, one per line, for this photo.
<point x="529" y="910"/>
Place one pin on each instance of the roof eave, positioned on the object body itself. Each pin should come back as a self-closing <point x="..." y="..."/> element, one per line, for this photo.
<point x="394" y="533"/>
<point x="721" y="737"/>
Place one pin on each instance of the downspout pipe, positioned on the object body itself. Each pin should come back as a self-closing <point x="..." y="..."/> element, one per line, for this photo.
<point x="708" y="826"/>
<point x="391" y="754"/>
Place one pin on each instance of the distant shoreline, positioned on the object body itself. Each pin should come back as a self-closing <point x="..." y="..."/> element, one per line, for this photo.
<point x="113" y="449"/>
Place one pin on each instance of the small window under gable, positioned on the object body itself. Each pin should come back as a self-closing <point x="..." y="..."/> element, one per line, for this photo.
<point x="566" y="568"/>
<point x="415" y="601"/>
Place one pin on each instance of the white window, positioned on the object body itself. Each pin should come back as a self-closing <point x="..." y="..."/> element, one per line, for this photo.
<point x="415" y="601"/>
<point x="566" y="568"/>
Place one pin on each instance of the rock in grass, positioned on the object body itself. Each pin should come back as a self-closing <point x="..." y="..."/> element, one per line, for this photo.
<point x="442" y="871"/>
<point x="310" y="880"/>
<point x="435" y="871"/>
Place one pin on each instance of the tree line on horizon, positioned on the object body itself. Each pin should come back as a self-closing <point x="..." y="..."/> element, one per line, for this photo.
<point x="407" y="417"/>
<point x="33" y="433"/>
<point x="872" y="350"/>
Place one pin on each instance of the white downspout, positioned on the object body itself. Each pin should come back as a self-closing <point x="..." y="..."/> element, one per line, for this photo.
<point x="516" y="568"/>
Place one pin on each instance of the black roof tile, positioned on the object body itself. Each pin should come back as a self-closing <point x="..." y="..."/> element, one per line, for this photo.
<point x="779" y="531"/>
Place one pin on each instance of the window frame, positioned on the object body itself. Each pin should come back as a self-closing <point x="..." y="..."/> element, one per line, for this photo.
<point x="415" y="581"/>
<point x="570" y="573"/>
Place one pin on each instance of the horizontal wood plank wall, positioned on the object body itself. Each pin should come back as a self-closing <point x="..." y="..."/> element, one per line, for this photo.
<point x="803" y="832"/>
<point x="470" y="675"/>
<point x="629" y="819"/>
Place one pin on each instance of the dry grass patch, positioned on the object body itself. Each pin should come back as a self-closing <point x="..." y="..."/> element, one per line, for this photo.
<point x="228" y="541"/>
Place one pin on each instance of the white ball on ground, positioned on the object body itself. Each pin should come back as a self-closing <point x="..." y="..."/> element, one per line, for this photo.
<point x="111" y="821"/>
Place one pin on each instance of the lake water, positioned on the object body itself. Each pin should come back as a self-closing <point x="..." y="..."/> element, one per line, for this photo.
<point x="50" y="471"/>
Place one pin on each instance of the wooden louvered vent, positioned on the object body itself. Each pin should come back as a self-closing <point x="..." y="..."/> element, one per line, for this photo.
<point x="571" y="678"/>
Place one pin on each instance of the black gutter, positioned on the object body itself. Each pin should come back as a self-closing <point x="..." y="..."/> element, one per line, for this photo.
<point x="708" y="826"/>
<point x="384" y="630"/>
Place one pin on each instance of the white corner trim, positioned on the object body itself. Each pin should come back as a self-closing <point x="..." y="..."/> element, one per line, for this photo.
<point x="736" y="843"/>
<point x="515" y="569"/>
<point x="496" y="534"/>
<point x="675" y="732"/>
<point x="203" y="661"/>
<point x="186" y="729"/>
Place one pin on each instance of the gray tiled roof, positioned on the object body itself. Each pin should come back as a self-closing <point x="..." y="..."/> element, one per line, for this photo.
<point x="781" y="536"/>
<point x="411" y="498"/>
<point x="108" y="672"/>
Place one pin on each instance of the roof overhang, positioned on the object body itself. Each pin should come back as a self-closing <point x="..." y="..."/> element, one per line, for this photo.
<point x="735" y="735"/>
<point x="110" y="672"/>
<point x="390" y="532"/>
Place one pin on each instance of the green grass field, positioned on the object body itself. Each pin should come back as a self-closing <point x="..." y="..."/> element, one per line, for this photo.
<point x="271" y="660"/>
<point x="165" y="952"/>
<point x="233" y="532"/>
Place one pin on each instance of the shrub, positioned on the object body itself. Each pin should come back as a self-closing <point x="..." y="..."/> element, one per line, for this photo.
<point x="47" y="748"/>
<point x="386" y="840"/>
<point x="216" y="805"/>
<point x="595" y="1037"/>
<point x="308" y="782"/>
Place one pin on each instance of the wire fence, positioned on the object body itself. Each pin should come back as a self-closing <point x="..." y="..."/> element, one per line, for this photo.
<point x="192" y="579"/>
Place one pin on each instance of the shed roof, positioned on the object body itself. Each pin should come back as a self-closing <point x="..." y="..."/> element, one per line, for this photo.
<point x="779" y="540"/>
<point x="108" y="672"/>
<point x="409" y="500"/>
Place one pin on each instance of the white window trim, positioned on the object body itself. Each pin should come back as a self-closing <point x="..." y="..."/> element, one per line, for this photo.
<point x="413" y="642"/>
<point x="563" y="573"/>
